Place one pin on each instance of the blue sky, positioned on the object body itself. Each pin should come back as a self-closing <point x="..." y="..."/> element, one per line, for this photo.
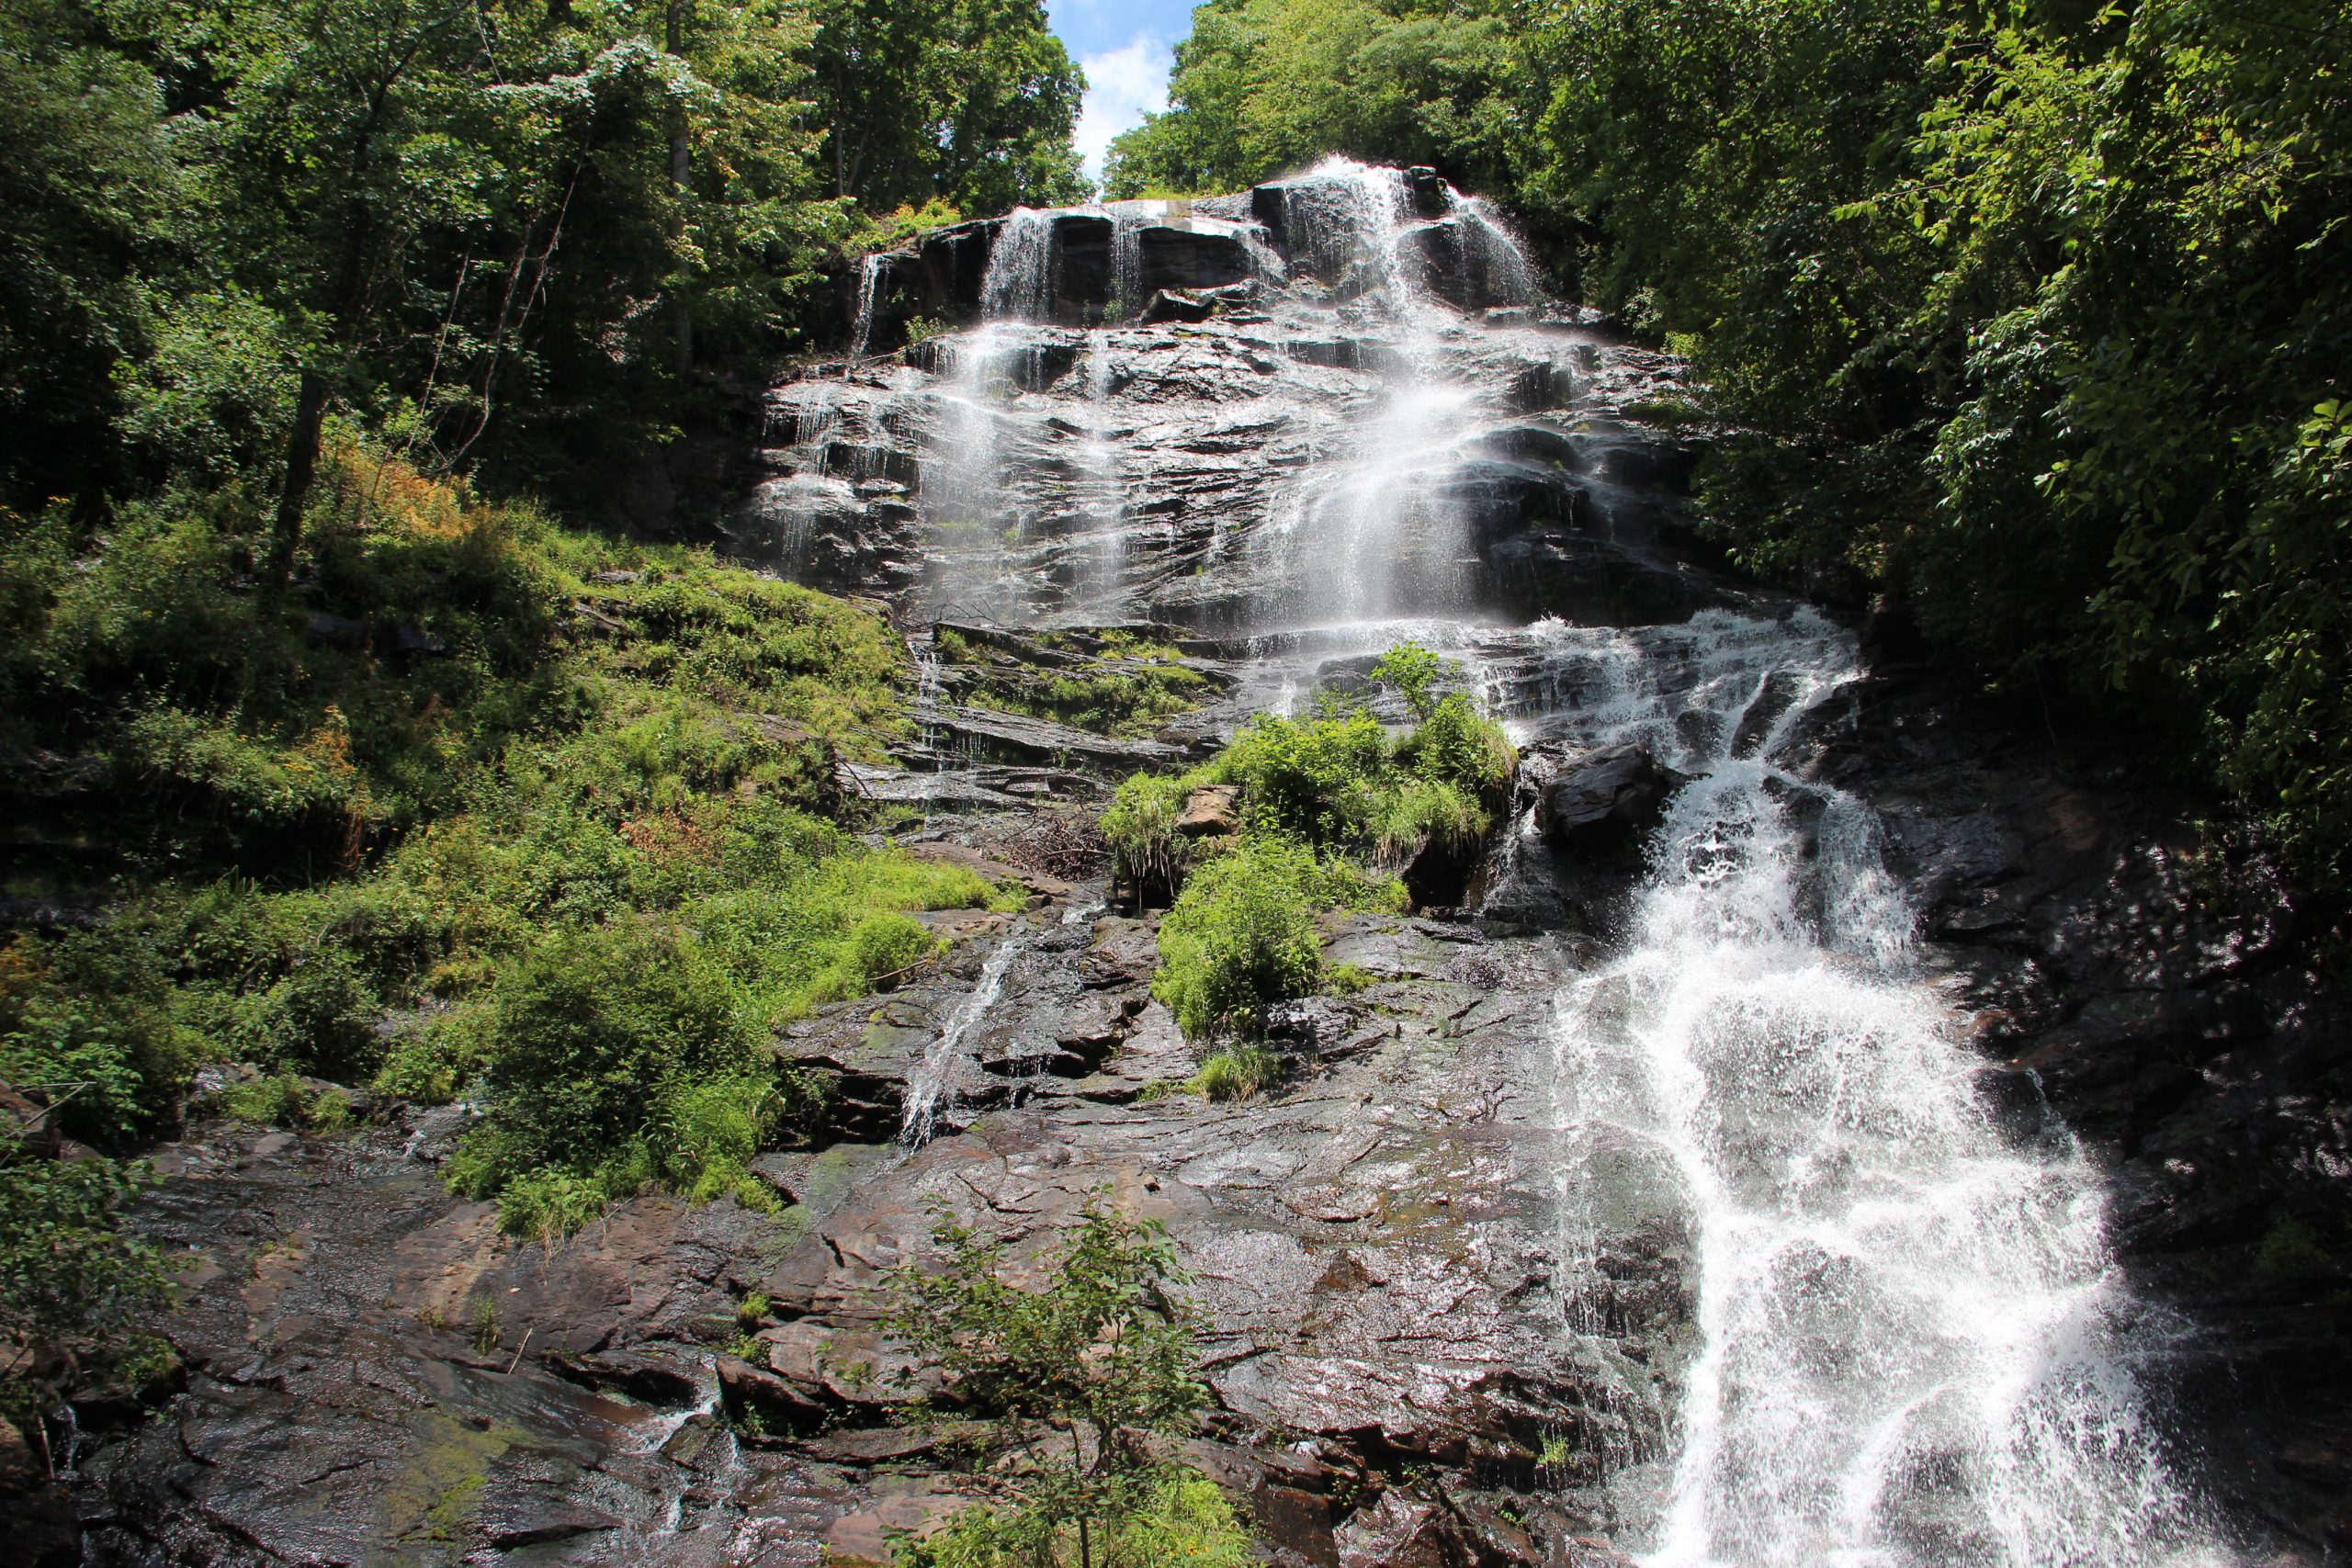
<point x="1125" y="46"/>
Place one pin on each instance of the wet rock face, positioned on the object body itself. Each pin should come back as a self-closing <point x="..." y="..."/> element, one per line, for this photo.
<point x="376" y="1371"/>
<point x="2169" y="1017"/>
<point x="1601" y="805"/>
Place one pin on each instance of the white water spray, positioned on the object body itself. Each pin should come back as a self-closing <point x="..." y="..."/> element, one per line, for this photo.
<point x="1913" y="1347"/>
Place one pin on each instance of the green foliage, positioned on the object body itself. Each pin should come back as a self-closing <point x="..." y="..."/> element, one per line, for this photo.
<point x="1328" y="803"/>
<point x="971" y="102"/>
<point x="484" y="1318"/>
<point x="1174" y="1516"/>
<point x="575" y="858"/>
<point x="1242" y="934"/>
<point x="1075" y="1378"/>
<point x="1459" y="749"/>
<point x="511" y="240"/>
<point x="286" y="1102"/>
<point x="1262" y="86"/>
<point x="1236" y="1072"/>
<point x="72" y="1285"/>
<point x="1147" y="851"/>
<point x="1413" y="673"/>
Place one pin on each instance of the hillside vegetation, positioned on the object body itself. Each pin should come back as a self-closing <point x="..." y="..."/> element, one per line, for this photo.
<point x="330" y="763"/>
<point x="2033" y="317"/>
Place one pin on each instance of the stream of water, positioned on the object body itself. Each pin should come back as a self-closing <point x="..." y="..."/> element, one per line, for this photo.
<point x="1909" y="1345"/>
<point x="1913" y="1347"/>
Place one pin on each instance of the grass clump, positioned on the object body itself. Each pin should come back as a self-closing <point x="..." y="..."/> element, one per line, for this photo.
<point x="1236" y="1072"/>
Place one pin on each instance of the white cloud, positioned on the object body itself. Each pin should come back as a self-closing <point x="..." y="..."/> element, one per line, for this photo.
<point x="1121" y="86"/>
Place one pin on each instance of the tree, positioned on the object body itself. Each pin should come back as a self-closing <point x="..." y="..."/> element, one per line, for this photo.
<point x="972" y="102"/>
<point x="1076" y="1378"/>
<point x="84" y="226"/>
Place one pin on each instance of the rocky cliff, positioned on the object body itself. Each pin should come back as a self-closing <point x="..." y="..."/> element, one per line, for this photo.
<point x="1482" y="1276"/>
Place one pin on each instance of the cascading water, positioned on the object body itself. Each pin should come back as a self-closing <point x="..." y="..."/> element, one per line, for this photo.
<point x="1020" y="281"/>
<point x="1898" y="1341"/>
<point x="1913" y="1349"/>
<point x="869" y="277"/>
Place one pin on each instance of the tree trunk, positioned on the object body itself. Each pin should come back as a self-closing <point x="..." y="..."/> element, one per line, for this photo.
<point x="301" y="467"/>
<point x="681" y="171"/>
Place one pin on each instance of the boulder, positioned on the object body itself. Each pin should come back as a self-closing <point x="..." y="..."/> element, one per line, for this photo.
<point x="1171" y="306"/>
<point x="1604" y="804"/>
<point x="1185" y="257"/>
<point x="1211" y="812"/>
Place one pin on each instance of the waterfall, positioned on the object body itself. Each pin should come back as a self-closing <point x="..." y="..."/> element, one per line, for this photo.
<point x="1020" y="280"/>
<point x="1914" y="1348"/>
<point x="1347" y="217"/>
<point x="930" y="1093"/>
<point x="869" y="277"/>
<point x="1885" y="1328"/>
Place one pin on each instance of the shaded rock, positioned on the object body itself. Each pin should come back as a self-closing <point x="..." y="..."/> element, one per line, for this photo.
<point x="1169" y="307"/>
<point x="1604" y="804"/>
<point x="1430" y="197"/>
<point x="776" y="1405"/>
<point x="42" y="1532"/>
<point x="1174" y="257"/>
<point x="647" y="1378"/>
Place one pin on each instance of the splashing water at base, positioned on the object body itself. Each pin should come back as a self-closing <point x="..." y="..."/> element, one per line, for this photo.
<point x="1913" y="1347"/>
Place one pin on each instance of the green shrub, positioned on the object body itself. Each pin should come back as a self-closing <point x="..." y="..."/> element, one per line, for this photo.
<point x="1140" y="826"/>
<point x="284" y="1100"/>
<point x="1458" y="746"/>
<point x="547" y="1204"/>
<point x="1313" y="778"/>
<point x="1414" y="671"/>
<point x="436" y="1056"/>
<point x="72" y="1285"/>
<point x="92" y="1023"/>
<point x="1236" y="1072"/>
<point x="1172" y="1516"/>
<point x="1105" y="1349"/>
<point x="596" y="1031"/>
<point x="1242" y="934"/>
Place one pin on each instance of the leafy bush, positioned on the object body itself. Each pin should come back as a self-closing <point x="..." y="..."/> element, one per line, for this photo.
<point x="596" y="1029"/>
<point x="1458" y="748"/>
<point x="73" y="1286"/>
<point x="1174" y="1516"/>
<point x="1075" y="1379"/>
<point x="1240" y="935"/>
<point x="286" y="1101"/>
<point x="1414" y="671"/>
<point x="1140" y="826"/>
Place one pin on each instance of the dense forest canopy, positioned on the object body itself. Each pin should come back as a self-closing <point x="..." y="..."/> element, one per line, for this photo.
<point x="2033" y="314"/>
<point x="502" y="234"/>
